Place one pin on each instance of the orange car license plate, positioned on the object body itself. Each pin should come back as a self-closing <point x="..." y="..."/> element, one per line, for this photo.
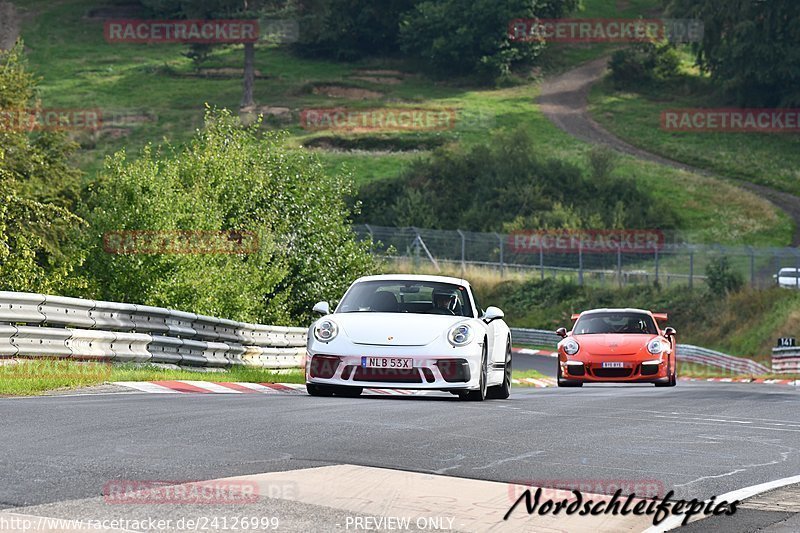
<point x="609" y="364"/>
<point x="387" y="362"/>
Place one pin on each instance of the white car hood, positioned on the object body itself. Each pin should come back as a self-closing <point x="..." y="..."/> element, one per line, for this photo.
<point x="394" y="329"/>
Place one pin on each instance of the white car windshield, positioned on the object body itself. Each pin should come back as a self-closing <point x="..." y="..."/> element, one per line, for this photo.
<point x="420" y="297"/>
<point x="611" y="322"/>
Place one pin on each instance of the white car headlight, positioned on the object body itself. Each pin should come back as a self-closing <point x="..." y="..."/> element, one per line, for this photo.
<point x="571" y="346"/>
<point x="326" y="330"/>
<point x="460" y="335"/>
<point x="655" y="346"/>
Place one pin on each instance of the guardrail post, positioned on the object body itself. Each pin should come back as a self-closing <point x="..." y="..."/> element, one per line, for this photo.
<point x="619" y="266"/>
<point x="580" y="262"/>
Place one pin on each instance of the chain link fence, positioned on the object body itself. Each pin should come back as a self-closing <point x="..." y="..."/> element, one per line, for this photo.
<point x="668" y="263"/>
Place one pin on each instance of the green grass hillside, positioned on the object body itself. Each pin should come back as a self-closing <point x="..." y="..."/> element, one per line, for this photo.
<point x="767" y="159"/>
<point x="154" y="92"/>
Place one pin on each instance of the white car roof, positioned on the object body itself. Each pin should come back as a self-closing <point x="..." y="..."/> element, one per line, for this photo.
<point x="414" y="277"/>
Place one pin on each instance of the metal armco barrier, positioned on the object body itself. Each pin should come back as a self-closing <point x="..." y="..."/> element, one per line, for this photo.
<point x="534" y="337"/>
<point x="703" y="356"/>
<point x="786" y="360"/>
<point x="7" y="348"/>
<point x="686" y="352"/>
<point x="38" y="325"/>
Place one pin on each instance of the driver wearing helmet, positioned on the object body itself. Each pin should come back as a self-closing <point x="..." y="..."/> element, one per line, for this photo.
<point x="444" y="303"/>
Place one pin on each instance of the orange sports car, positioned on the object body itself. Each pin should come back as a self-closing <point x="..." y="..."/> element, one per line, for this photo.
<point x="617" y="345"/>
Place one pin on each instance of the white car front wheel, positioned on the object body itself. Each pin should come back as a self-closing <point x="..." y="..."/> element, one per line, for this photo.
<point x="480" y="394"/>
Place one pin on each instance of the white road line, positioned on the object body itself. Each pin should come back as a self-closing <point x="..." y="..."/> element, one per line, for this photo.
<point x="674" y="522"/>
<point x="213" y="387"/>
<point x="146" y="386"/>
<point x="258" y="388"/>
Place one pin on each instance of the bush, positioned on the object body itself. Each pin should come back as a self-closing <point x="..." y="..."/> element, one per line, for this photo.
<point x="504" y="185"/>
<point x="228" y="178"/>
<point x="721" y="278"/>
<point x="643" y="64"/>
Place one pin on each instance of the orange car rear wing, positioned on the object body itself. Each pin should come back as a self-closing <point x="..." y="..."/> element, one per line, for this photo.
<point x="660" y="317"/>
<point x="575" y="316"/>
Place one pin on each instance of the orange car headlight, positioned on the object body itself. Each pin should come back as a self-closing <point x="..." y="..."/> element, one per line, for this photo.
<point x="656" y="347"/>
<point x="571" y="346"/>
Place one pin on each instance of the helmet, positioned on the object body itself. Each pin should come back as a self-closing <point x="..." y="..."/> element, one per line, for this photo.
<point x="444" y="300"/>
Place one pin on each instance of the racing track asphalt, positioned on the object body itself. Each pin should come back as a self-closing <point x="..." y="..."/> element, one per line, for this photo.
<point x="541" y="363"/>
<point x="700" y="439"/>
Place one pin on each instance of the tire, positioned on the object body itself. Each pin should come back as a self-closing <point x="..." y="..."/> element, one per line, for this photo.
<point x="503" y="391"/>
<point x="672" y="380"/>
<point x="348" y="392"/>
<point x="480" y="394"/>
<point x="565" y="382"/>
<point x="318" y="390"/>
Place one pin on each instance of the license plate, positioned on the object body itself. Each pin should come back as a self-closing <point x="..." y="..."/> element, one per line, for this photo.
<point x="613" y="365"/>
<point x="387" y="362"/>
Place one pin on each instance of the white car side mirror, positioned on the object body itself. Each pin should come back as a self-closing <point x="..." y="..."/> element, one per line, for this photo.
<point x="492" y="313"/>
<point x="322" y="308"/>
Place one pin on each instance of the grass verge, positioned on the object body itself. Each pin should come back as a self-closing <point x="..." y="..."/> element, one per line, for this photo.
<point x="30" y="377"/>
<point x="527" y="374"/>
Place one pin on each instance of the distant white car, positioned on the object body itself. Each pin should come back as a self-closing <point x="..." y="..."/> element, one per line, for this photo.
<point x="787" y="278"/>
<point x="409" y="332"/>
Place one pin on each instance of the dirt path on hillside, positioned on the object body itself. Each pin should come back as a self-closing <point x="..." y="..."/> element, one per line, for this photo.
<point x="564" y="100"/>
<point x="9" y="25"/>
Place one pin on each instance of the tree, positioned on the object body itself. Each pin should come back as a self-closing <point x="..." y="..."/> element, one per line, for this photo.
<point x="749" y="47"/>
<point x="39" y="249"/>
<point x="721" y="278"/>
<point x="461" y="37"/>
<point x="229" y="179"/>
<point x="346" y="30"/>
<point x="218" y="9"/>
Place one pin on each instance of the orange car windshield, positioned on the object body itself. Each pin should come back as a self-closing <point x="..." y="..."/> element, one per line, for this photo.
<point x="596" y="323"/>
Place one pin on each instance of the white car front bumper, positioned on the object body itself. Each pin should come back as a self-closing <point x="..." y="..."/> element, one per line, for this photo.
<point x="458" y="370"/>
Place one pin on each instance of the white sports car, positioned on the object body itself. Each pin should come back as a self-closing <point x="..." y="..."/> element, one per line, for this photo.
<point x="409" y="332"/>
